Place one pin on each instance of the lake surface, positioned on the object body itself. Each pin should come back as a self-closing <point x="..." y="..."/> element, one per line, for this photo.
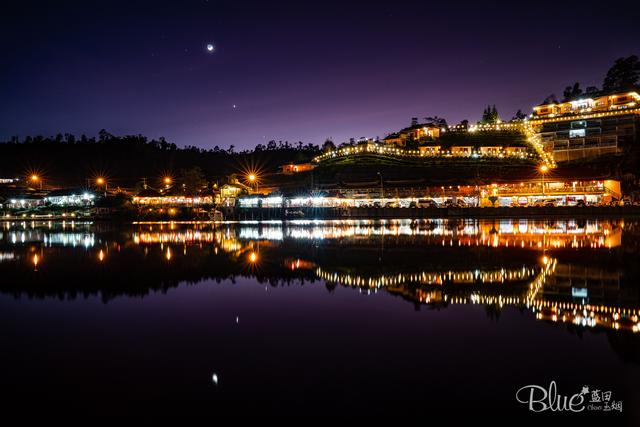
<point x="432" y="317"/>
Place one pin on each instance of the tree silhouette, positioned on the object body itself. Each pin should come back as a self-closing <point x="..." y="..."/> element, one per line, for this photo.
<point x="572" y="92"/>
<point x="519" y="115"/>
<point x="623" y="75"/>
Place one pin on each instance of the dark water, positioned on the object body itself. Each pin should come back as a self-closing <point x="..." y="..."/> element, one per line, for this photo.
<point x="439" y="317"/>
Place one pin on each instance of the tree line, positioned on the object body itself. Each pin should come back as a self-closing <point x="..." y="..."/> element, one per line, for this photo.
<point x="127" y="160"/>
<point x="623" y="76"/>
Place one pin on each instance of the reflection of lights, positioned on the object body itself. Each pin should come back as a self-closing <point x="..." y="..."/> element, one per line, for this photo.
<point x="168" y="254"/>
<point x="253" y="257"/>
<point x="214" y="378"/>
<point x="510" y="233"/>
<point x="101" y="255"/>
<point x="584" y="315"/>
<point x="429" y="278"/>
<point x="7" y="256"/>
<point x="187" y="236"/>
<point x="36" y="261"/>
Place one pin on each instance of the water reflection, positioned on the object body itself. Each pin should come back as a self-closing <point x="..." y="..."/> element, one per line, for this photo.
<point x="579" y="272"/>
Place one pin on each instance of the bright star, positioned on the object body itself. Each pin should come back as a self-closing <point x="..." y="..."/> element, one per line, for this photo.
<point x="210" y="47"/>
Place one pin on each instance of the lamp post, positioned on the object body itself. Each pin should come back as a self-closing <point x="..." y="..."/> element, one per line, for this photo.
<point x="100" y="181"/>
<point x="543" y="169"/>
<point x="36" y="179"/>
<point x="253" y="179"/>
<point x="167" y="181"/>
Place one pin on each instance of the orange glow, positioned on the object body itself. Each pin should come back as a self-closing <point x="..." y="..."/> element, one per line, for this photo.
<point x="544" y="168"/>
<point x="35" y="177"/>
<point x="100" y="180"/>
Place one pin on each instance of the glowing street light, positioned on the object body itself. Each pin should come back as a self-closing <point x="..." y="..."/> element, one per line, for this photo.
<point x="167" y="182"/>
<point x="543" y="169"/>
<point x="36" y="179"/>
<point x="253" y="179"/>
<point x="100" y="181"/>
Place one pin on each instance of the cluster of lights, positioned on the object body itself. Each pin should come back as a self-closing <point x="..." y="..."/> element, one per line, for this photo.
<point x="471" y="195"/>
<point x="428" y="151"/>
<point x="487" y="127"/>
<point x="533" y="138"/>
<point x="173" y="200"/>
<point x="428" y="278"/>
<point x="554" y="119"/>
<point x="181" y="237"/>
<point x="585" y="315"/>
<point x="507" y="233"/>
<point x="583" y="107"/>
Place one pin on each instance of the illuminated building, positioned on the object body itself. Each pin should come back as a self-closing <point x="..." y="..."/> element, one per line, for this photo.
<point x="587" y="127"/>
<point x="297" y="168"/>
<point x="431" y="149"/>
<point x="24" y="201"/>
<point x="231" y="191"/>
<point x="170" y="197"/>
<point x="527" y="193"/>
<point x="606" y="103"/>
<point x="71" y="197"/>
<point x="415" y="132"/>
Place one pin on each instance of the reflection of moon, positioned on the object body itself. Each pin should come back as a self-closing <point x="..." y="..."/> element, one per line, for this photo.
<point x="210" y="47"/>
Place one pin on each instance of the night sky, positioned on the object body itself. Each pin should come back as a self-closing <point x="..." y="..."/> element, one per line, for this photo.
<point x="292" y="71"/>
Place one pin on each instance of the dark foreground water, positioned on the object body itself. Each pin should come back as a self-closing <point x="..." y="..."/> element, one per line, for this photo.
<point x="431" y="318"/>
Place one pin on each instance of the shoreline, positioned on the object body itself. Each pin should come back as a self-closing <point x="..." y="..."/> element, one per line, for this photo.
<point x="282" y="214"/>
<point x="425" y="213"/>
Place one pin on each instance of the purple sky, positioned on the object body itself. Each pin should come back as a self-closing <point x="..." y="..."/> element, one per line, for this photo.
<point x="297" y="71"/>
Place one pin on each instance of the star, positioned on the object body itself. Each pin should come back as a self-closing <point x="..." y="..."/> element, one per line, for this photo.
<point x="210" y="47"/>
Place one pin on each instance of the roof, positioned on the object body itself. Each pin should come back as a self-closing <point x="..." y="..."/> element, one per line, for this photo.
<point x="420" y="126"/>
<point x="592" y="95"/>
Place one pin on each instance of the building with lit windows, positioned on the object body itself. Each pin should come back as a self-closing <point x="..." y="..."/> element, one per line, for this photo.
<point x="587" y="127"/>
<point x="415" y="132"/>
<point x="70" y="197"/>
<point x="170" y="197"/>
<point x="291" y="168"/>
